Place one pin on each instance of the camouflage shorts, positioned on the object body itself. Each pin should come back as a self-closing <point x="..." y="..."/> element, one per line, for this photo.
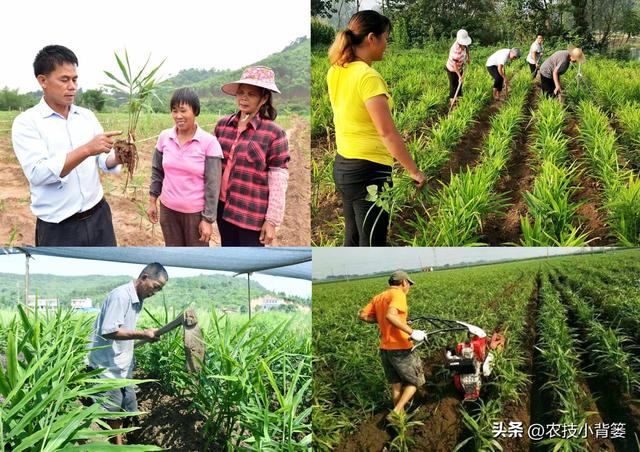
<point x="402" y="366"/>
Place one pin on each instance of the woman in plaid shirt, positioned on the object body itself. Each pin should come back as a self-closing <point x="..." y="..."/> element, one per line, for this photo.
<point x="254" y="169"/>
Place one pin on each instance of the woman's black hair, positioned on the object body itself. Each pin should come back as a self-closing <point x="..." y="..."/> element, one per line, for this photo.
<point x="51" y="56"/>
<point x="185" y="96"/>
<point x="268" y="111"/>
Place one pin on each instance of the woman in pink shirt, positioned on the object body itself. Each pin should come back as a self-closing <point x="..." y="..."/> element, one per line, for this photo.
<point x="185" y="175"/>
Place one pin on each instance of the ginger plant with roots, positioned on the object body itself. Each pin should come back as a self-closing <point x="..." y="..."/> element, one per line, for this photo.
<point x="139" y="87"/>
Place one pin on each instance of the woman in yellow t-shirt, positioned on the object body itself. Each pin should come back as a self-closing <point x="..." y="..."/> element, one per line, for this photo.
<point x="367" y="140"/>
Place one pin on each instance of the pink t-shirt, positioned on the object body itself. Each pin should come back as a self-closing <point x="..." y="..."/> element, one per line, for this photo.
<point x="183" y="184"/>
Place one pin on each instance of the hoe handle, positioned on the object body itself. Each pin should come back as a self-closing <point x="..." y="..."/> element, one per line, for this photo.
<point x="165" y="329"/>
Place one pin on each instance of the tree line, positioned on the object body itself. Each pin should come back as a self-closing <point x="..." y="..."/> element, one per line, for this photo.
<point x="591" y="24"/>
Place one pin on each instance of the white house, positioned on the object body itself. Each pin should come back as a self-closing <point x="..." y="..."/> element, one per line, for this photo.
<point x="81" y="303"/>
<point x="46" y="303"/>
<point x="266" y="303"/>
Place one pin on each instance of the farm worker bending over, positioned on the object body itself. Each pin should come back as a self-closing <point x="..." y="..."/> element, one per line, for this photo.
<point x="535" y="55"/>
<point x="60" y="147"/>
<point x="254" y="170"/>
<point x="115" y="330"/>
<point x="367" y="140"/>
<point x="556" y="65"/>
<point x="458" y="57"/>
<point x="402" y="367"/>
<point x="495" y="66"/>
<point x="185" y="175"/>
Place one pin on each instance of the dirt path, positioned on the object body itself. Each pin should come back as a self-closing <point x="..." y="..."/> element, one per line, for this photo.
<point x="464" y="155"/>
<point x="504" y="227"/>
<point x="438" y="410"/>
<point x="524" y="409"/>
<point x="17" y="223"/>
<point x="468" y="150"/>
<point x="168" y="423"/>
<point x="296" y="227"/>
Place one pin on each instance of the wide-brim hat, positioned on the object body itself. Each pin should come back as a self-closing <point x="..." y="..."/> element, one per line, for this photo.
<point x="261" y="76"/>
<point x="463" y="38"/>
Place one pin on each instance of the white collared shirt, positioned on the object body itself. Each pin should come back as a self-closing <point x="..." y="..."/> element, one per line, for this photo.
<point x="42" y="139"/>
<point x="120" y="309"/>
<point x="536" y="47"/>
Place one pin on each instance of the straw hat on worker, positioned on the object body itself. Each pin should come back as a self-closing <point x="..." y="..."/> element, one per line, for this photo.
<point x="261" y="76"/>
<point x="254" y="170"/>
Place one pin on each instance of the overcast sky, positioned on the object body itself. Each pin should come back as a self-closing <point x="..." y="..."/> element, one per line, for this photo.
<point x="190" y="34"/>
<point x="15" y="263"/>
<point x="360" y="261"/>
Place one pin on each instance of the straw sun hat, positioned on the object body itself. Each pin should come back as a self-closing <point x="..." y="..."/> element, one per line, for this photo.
<point x="261" y="76"/>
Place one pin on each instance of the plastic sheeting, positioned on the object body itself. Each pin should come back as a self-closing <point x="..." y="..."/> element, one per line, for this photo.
<point x="286" y="262"/>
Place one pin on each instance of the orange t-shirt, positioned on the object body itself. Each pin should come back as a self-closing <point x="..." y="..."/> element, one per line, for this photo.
<point x="391" y="338"/>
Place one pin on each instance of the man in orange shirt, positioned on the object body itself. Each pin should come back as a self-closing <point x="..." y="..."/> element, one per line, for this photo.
<point x="402" y="367"/>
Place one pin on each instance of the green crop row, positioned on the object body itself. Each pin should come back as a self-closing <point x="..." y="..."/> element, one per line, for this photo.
<point x="628" y="116"/>
<point x="618" y="303"/>
<point x="550" y="200"/>
<point x="608" y="347"/>
<point x="460" y="207"/>
<point x="254" y="388"/>
<point x="43" y="381"/>
<point x="349" y="383"/>
<point x="620" y="187"/>
<point x="614" y="87"/>
<point x="559" y="356"/>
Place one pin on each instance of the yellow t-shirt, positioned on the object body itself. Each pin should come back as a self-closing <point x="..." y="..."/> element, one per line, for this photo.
<point x="356" y="135"/>
<point x="391" y="338"/>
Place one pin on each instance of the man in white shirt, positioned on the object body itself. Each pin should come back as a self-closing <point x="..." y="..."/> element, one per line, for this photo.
<point x="495" y="65"/>
<point x="60" y="147"/>
<point x="113" y="333"/>
<point x="535" y="55"/>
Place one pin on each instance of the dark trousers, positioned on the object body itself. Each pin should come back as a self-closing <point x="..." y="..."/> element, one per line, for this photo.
<point x="454" y="80"/>
<point x="547" y="86"/>
<point x="180" y="229"/>
<point x="232" y="235"/>
<point x="365" y="223"/>
<point x="91" y="228"/>
<point x="532" y="68"/>
<point x="498" y="81"/>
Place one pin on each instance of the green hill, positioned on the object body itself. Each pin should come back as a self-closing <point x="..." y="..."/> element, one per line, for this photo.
<point x="204" y="291"/>
<point x="292" y="68"/>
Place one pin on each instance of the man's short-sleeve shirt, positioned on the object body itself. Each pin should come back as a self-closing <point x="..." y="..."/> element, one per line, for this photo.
<point x="501" y="57"/>
<point x="559" y="60"/>
<point x="391" y="338"/>
<point x="536" y="47"/>
<point x="120" y="309"/>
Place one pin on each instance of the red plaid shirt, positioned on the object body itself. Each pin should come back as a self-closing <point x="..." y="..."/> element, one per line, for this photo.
<point x="262" y="145"/>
